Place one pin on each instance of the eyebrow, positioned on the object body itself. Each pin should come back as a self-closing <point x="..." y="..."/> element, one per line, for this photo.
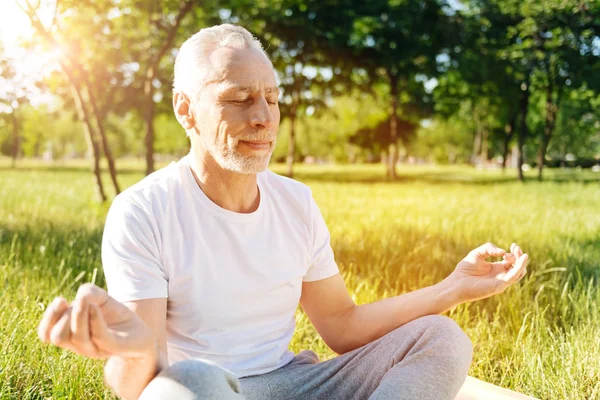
<point x="250" y="89"/>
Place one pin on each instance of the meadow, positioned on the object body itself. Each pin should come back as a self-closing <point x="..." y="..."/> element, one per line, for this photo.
<point x="541" y="337"/>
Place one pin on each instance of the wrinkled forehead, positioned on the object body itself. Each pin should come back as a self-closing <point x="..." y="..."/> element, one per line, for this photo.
<point x="246" y="67"/>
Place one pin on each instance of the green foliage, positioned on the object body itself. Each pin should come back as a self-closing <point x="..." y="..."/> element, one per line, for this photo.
<point x="328" y="136"/>
<point x="578" y="126"/>
<point x="170" y="136"/>
<point x="340" y="64"/>
<point x="56" y="133"/>
<point x="443" y="142"/>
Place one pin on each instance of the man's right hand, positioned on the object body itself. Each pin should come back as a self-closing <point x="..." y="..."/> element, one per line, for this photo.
<point x="96" y="325"/>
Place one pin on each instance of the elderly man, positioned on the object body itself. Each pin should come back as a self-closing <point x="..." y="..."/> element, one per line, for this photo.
<point x="207" y="259"/>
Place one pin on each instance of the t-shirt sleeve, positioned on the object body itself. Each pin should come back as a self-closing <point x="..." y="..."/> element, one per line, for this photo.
<point x="323" y="263"/>
<point x="131" y="254"/>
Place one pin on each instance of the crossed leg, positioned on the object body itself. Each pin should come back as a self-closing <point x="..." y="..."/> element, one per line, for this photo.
<point x="427" y="358"/>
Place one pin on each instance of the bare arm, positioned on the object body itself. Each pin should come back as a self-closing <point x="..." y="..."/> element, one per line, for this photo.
<point x="96" y="325"/>
<point x="128" y="376"/>
<point x="344" y="326"/>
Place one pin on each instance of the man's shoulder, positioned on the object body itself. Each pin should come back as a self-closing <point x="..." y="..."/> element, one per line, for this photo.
<point x="153" y="189"/>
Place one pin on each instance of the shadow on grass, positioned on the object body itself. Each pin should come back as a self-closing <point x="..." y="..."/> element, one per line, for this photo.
<point x="50" y="255"/>
<point x="583" y="257"/>
<point x="438" y="177"/>
<point x="352" y="175"/>
<point x="74" y="169"/>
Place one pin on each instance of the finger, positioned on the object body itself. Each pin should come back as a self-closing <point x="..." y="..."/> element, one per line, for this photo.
<point x="51" y="316"/>
<point x="80" y="321"/>
<point x="96" y="295"/>
<point x="80" y="328"/>
<point x="517" y="251"/>
<point x="92" y="294"/>
<point x="502" y="264"/>
<point x="99" y="333"/>
<point x="523" y="274"/>
<point x="60" y="335"/>
<point x="489" y="250"/>
<point x="510" y="259"/>
<point x="512" y="246"/>
<point x="513" y="275"/>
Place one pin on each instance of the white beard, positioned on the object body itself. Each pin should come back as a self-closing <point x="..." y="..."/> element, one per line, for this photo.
<point x="231" y="160"/>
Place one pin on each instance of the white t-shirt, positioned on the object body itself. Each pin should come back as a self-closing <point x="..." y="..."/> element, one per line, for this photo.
<point x="233" y="281"/>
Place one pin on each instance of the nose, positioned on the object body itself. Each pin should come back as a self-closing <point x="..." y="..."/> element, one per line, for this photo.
<point x="262" y="117"/>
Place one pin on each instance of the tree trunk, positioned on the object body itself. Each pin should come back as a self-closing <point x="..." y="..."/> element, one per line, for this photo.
<point x="484" y="145"/>
<point x="90" y="136"/>
<point x="509" y="130"/>
<point x="476" y="148"/>
<point x="37" y="145"/>
<point x="476" y="138"/>
<point x="16" y="147"/>
<point x="105" y="146"/>
<point x="149" y="106"/>
<point x="551" y="111"/>
<point x="524" y="108"/>
<point x="393" y="148"/>
<point x="77" y="97"/>
<point x="149" y="120"/>
<point x="291" y="144"/>
<point x="542" y="154"/>
<point x="396" y="158"/>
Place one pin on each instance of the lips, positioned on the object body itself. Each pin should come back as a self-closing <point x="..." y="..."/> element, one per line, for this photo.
<point x="256" y="145"/>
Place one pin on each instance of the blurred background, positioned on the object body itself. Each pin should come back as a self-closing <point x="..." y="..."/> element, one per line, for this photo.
<point x="490" y="83"/>
<point x="414" y="122"/>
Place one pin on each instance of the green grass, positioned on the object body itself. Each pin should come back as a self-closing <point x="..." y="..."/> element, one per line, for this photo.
<point x="540" y="337"/>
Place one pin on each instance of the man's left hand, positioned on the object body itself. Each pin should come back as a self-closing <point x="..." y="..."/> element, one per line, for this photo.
<point x="476" y="278"/>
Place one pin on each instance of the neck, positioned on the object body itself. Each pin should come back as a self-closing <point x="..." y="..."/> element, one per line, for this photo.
<point x="232" y="191"/>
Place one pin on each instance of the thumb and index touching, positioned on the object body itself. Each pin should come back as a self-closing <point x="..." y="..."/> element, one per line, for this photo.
<point x="515" y="259"/>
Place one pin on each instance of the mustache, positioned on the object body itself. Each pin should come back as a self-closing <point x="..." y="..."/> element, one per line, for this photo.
<point x="258" y="137"/>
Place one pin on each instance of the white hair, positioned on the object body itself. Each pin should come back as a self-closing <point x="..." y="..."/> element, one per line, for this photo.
<point x="192" y="64"/>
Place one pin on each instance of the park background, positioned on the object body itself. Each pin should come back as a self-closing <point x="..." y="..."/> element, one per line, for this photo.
<point x="424" y="128"/>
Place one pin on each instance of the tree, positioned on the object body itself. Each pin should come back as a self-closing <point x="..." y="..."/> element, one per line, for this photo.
<point x="577" y="126"/>
<point x="564" y="32"/>
<point x="378" y="139"/>
<point x="479" y="82"/>
<point x="546" y="46"/>
<point x="164" y="20"/>
<point x="82" y="93"/>
<point x="395" y="42"/>
<point x="12" y="98"/>
<point x="443" y="140"/>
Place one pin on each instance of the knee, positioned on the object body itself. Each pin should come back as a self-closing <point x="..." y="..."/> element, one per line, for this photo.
<point x="188" y="380"/>
<point x="451" y="341"/>
<point x="441" y="337"/>
<point x="192" y="370"/>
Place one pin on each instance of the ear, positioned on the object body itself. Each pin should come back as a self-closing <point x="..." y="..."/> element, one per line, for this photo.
<point x="183" y="110"/>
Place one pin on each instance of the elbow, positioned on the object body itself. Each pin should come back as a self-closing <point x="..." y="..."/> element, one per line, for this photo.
<point x="339" y="350"/>
<point x="113" y="378"/>
<point x="347" y="334"/>
<point x="128" y="378"/>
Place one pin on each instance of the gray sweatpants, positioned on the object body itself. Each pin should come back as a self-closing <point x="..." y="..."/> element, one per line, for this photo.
<point x="427" y="358"/>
